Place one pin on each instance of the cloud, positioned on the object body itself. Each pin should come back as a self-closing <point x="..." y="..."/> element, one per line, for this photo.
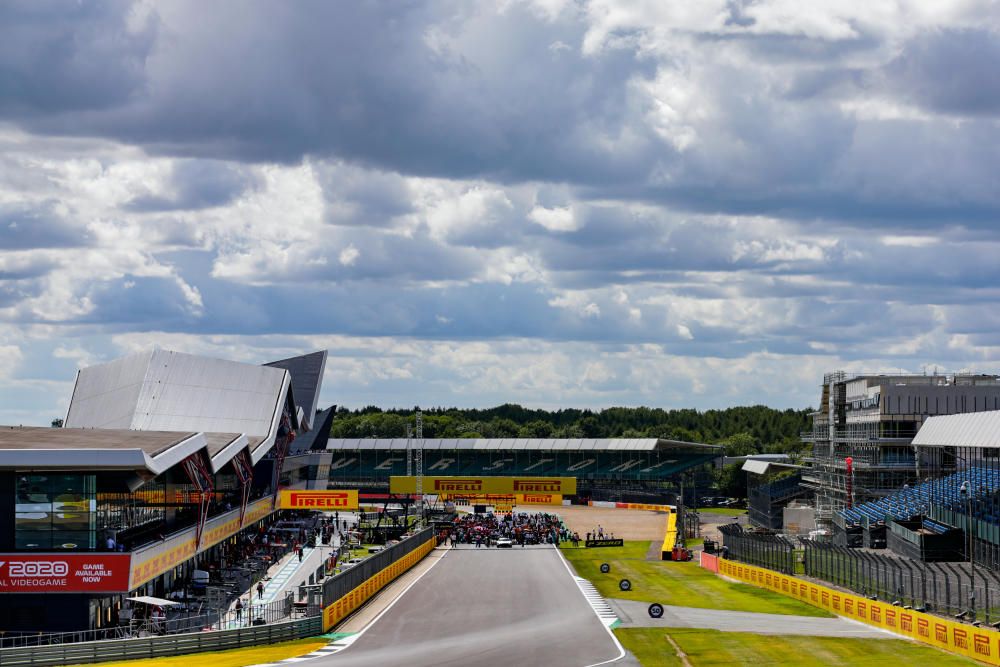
<point x="589" y="193"/>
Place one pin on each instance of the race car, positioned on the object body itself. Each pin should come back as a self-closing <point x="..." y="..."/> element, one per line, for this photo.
<point x="505" y="543"/>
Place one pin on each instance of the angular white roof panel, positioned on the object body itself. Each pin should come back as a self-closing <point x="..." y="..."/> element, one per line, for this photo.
<point x="970" y="429"/>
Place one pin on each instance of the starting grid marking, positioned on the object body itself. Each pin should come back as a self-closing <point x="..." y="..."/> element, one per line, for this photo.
<point x="597" y="602"/>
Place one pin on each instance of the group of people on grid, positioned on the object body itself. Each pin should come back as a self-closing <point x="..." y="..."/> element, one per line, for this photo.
<point x="599" y="534"/>
<point x="520" y="527"/>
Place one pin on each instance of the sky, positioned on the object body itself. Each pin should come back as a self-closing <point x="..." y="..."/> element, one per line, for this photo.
<point x="558" y="203"/>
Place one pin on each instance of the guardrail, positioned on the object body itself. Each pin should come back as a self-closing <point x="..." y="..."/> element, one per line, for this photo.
<point x="253" y="615"/>
<point x="156" y="647"/>
<point x="348" y="590"/>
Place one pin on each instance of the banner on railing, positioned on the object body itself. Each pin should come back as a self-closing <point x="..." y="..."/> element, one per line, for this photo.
<point x="64" y="573"/>
<point x="975" y="642"/>
<point x="484" y="484"/>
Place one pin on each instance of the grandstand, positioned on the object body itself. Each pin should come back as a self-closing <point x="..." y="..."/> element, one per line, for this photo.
<point x="872" y="419"/>
<point x="639" y="469"/>
<point x="166" y="460"/>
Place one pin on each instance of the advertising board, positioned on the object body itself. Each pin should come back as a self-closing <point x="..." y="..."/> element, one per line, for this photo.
<point x="472" y="484"/>
<point x="319" y="500"/>
<point x="64" y="573"/>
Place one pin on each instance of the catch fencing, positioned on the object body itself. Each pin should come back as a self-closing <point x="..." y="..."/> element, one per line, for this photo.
<point x="340" y="585"/>
<point x="952" y="589"/>
<point x="771" y="551"/>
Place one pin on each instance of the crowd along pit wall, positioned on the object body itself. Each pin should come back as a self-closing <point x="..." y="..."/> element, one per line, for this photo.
<point x="981" y="644"/>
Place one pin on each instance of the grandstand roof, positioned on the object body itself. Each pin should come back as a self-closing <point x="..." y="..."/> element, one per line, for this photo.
<point x="307" y="380"/>
<point x="541" y="444"/>
<point x="107" y="449"/>
<point x="161" y="390"/>
<point x="970" y="429"/>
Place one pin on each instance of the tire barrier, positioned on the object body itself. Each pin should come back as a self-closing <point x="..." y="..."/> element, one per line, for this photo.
<point x="656" y="610"/>
<point x="625" y="585"/>
<point x="605" y="568"/>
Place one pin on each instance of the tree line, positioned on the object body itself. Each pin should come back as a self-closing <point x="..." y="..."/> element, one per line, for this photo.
<point x="743" y="430"/>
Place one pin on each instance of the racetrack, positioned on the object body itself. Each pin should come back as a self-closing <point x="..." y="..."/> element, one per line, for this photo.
<point x="486" y="607"/>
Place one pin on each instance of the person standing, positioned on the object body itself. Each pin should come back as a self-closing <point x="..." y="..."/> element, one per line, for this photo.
<point x="239" y="609"/>
<point x="260" y="590"/>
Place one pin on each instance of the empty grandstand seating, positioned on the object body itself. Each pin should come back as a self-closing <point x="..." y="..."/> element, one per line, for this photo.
<point x="945" y="491"/>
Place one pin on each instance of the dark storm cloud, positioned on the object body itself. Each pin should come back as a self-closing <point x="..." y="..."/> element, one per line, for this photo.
<point x="949" y="71"/>
<point x="58" y="57"/>
<point x="198" y="184"/>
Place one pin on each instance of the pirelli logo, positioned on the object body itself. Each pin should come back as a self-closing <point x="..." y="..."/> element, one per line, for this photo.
<point x="981" y="644"/>
<point x="960" y="638"/>
<point x="537" y="485"/>
<point x="906" y="622"/>
<point x="923" y="627"/>
<point x="319" y="500"/>
<point x="451" y="485"/>
<point x="941" y="632"/>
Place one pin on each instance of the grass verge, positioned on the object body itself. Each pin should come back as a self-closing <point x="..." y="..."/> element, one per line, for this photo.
<point x="712" y="647"/>
<point x="233" y="658"/>
<point x="681" y="584"/>
<point x="724" y="511"/>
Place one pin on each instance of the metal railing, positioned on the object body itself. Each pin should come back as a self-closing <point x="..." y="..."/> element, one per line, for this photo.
<point x="253" y="615"/>
<point x="340" y="585"/>
<point x="951" y="589"/>
<point x="160" y="646"/>
<point x="771" y="551"/>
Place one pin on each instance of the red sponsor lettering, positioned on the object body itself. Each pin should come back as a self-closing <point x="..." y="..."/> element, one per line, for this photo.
<point x="981" y="644"/>
<point x="458" y="485"/>
<point x="941" y="632"/>
<point x="906" y="622"/>
<point x="961" y="638"/>
<point x="537" y="485"/>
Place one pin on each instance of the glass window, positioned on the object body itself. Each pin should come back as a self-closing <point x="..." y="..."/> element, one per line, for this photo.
<point x="55" y="512"/>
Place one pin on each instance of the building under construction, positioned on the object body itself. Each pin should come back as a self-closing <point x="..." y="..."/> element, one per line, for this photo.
<point x="866" y="424"/>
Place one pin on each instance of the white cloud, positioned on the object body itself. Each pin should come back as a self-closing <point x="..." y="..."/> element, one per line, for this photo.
<point x="349" y="255"/>
<point x="554" y="219"/>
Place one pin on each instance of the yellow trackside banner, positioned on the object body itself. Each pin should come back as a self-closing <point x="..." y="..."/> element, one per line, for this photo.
<point x="482" y="484"/>
<point x="539" y="499"/>
<point x="980" y="643"/>
<point x="319" y="500"/>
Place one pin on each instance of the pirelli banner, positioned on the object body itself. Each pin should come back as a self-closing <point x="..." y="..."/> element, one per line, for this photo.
<point x="980" y="643"/>
<point x="473" y="485"/>
<point x="320" y="500"/>
<point x="539" y="499"/>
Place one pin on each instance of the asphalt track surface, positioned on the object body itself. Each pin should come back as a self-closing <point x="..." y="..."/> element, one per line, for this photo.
<point x="486" y="607"/>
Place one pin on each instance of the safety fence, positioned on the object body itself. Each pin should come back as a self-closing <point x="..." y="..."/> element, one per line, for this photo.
<point x="157" y="646"/>
<point x="252" y="615"/>
<point x="350" y="589"/>
<point x="951" y="589"/>
<point x="979" y="643"/>
<point x="770" y="551"/>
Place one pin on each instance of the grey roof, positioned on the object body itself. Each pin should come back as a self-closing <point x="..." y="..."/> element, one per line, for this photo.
<point x="970" y="429"/>
<point x="163" y="390"/>
<point x="545" y="444"/>
<point x="99" y="449"/>
<point x="307" y="380"/>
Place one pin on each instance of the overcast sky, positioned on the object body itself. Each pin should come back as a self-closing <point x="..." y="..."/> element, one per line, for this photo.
<point x="549" y="202"/>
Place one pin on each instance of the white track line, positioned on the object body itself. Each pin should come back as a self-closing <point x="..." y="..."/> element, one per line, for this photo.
<point x="588" y="597"/>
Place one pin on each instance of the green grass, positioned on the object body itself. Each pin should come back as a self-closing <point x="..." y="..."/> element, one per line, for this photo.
<point x="713" y="647"/>
<point x="681" y="584"/>
<point x="725" y="511"/>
